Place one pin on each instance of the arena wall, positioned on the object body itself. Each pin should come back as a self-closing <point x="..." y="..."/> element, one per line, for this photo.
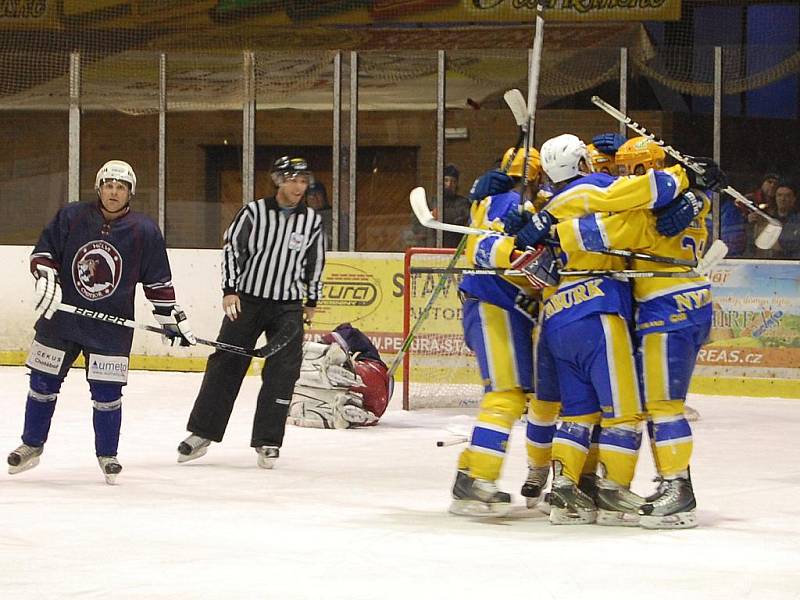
<point x="754" y="347"/>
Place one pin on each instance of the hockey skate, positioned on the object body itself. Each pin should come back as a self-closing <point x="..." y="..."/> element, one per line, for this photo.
<point x="267" y="455"/>
<point x="23" y="458"/>
<point x="533" y="488"/>
<point x="110" y="467"/>
<point x="569" y="505"/>
<point x="192" y="447"/>
<point x="588" y="484"/>
<point x="478" y="497"/>
<point x="673" y="508"/>
<point x="617" y="505"/>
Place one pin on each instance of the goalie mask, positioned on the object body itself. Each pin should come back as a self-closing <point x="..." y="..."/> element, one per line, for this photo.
<point x="287" y="167"/>
<point x="639" y="154"/>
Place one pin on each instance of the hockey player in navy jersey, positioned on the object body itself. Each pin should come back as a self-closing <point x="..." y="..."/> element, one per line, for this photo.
<point x="92" y="255"/>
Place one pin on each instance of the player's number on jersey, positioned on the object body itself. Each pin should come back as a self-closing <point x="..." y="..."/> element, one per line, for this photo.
<point x="696" y="248"/>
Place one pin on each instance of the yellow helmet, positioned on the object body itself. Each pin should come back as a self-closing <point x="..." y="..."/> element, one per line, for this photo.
<point x="639" y="154"/>
<point x="516" y="166"/>
<point x="601" y="162"/>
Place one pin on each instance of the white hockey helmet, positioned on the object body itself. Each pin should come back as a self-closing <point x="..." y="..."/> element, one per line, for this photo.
<point x="562" y="155"/>
<point x="119" y="170"/>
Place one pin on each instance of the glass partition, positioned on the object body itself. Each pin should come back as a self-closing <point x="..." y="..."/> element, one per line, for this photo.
<point x="294" y="116"/>
<point x="205" y="95"/>
<point x="396" y="146"/>
<point x="34" y="127"/>
<point x="119" y="121"/>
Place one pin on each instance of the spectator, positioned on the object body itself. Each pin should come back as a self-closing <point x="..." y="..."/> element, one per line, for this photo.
<point x="456" y="210"/>
<point x="788" y="213"/>
<point x="317" y="198"/>
<point x="456" y="207"/>
<point x="764" y="198"/>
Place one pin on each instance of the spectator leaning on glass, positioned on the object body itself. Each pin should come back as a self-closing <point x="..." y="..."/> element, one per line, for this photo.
<point x="764" y="198"/>
<point x="272" y="260"/>
<point x="788" y="213"/>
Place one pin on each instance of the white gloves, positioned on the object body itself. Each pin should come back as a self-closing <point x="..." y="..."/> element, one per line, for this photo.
<point x="176" y="328"/>
<point x="47" y="296"/>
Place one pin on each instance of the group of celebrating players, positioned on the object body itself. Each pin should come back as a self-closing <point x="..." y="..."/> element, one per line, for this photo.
<point x="595" y="328"/>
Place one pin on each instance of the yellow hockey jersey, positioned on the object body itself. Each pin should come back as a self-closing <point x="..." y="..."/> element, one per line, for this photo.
<point x="662" y="303"/>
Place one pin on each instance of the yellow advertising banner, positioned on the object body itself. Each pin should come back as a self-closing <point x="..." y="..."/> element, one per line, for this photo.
<point x="754" y="336"/>
<point x="365" y="289"/>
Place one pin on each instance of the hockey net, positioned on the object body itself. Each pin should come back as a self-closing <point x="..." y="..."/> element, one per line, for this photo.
<point x="439" y="370"/>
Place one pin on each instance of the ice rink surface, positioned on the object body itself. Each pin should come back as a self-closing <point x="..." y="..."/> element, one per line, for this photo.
<point x="362" y="514"/>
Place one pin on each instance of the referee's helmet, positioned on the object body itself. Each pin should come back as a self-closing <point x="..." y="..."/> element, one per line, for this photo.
<point x="289" y="167"/>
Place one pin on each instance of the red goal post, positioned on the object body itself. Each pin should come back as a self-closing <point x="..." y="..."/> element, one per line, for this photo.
<point x="438" y="369"/>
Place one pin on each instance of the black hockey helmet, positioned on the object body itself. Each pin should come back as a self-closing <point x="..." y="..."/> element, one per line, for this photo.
<point x="289" y="167"/>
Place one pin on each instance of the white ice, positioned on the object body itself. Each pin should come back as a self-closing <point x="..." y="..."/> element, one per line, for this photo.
<point x="361" y="514"/>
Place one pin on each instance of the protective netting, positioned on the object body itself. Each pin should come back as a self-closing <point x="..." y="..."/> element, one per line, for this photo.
<point x="120" y="44"/>
<point x="441" y="370"/>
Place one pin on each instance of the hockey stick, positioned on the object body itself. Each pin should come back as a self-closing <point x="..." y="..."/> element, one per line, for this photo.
<point x="626" y="274"/>
<point x="533" y="85"/>
<point x="463" y="271"/>
<point x="517" y="105"/>
<point x="715" y="253"/>
<point x="452" y="441"/>
<point x="276" y="342"/>
<point x="633" y="273"/>
<point x="772" y="230"/>
<point x="519" y="109"/>
<point x="419" y="204"/>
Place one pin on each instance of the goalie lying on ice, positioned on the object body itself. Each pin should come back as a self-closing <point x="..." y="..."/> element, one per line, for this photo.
<point x="339" y="387"/>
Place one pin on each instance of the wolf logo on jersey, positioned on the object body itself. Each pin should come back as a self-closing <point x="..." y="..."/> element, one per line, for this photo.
<point x="96" y="270"/>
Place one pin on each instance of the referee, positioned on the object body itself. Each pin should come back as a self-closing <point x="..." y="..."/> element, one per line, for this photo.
<point x="272" y="261"/>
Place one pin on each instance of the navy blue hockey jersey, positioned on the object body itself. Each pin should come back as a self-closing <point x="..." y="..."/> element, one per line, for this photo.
<point x="99" y="264"/>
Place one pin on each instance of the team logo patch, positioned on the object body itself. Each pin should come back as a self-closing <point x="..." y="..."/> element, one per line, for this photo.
<point x="96" y="270"/>
<point x="296" y="241"/>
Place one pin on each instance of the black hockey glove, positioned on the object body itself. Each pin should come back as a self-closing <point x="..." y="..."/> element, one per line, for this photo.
<point x="679" y="214"/>
<point x="713" y="179"/>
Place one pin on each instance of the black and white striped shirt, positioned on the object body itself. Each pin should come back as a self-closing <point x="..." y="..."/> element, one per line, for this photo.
<point x="274" y="254"/>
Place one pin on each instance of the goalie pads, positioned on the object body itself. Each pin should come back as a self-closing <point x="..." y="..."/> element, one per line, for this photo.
<point x="328" y="409"/>
<point x="324" y="395"/>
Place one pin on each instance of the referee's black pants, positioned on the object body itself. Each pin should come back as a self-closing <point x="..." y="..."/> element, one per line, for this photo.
<point x="225" y="372"/>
